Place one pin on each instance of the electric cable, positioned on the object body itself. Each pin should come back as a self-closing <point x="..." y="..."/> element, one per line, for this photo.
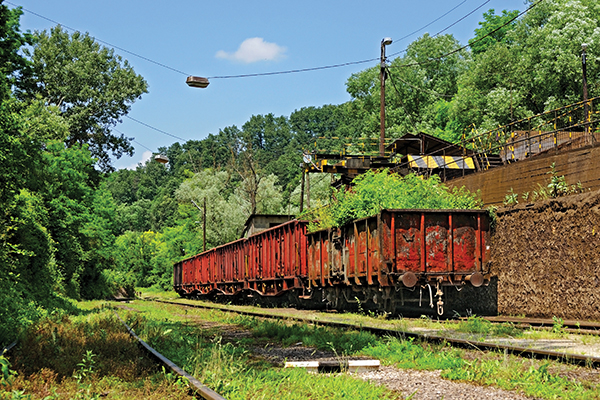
<point x="100" y="41"/>
<point x="416" y="87"/>
<point x="150" y="150"/>
<point x="432" y="22"/>
<point x="133" y="140"/>
<point x="460" y="19"/>
<point x="438" y="59"/>
<point x="262" y="73"/>
<point x="156" y="129"/>
<point x="443" y="30"/>
<point x="400" y="98"/>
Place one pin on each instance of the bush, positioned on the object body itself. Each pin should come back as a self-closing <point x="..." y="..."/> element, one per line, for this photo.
<point x="377" y="190"/>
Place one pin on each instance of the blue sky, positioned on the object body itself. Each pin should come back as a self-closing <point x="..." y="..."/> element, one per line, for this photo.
<point x="220" y="38"/>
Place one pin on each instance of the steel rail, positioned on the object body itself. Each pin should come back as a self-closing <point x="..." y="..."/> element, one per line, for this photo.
<point x="545" y="322"/>
<point x="197" y="386"/>
<point x="577" y="359"/>
<point x="8" y="348"/>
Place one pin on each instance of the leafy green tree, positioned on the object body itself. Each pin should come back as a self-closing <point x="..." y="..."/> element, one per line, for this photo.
<point x="92" y="87"/>
<point x="13" y="66"/>
<point x="535" y="67"/>
<point x="225" y="215"/>
<point x="417" y="81"/>
<point x="492" y="31"/>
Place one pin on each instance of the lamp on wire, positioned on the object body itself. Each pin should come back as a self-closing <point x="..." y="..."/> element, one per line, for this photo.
<point x="197" y="81"/>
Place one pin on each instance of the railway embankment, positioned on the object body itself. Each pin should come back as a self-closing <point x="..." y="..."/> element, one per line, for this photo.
<point x="547" y="258"/>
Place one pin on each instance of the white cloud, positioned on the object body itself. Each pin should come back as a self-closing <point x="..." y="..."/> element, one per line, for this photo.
<point x="145" y="157"/>
<point x="253" y="50"/>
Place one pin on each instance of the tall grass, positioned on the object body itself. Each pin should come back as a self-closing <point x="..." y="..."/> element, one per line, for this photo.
<point x="231" y="367"/>
<point x="84" y="357"/>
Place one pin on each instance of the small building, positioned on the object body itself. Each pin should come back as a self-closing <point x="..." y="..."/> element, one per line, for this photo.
<point x="259" y="222"/>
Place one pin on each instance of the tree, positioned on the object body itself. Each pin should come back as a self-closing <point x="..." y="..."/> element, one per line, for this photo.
<point x="13" y="66"/>
<point x="484" y="38"/>
<point x="224" y="214"/>
<point x="536" y="66"/>
<point x="91" y="86"/>
<point x="416" y="82"/>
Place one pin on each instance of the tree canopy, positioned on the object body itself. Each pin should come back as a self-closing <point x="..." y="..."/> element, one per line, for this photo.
<point x="91" y="87"/>
<point x="69" y="231"/>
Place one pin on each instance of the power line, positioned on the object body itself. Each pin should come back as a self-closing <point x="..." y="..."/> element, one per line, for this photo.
<point x="255" y="74"/>
<point x="150" y="150"/>
<point x="133" y="140"/>
<point x="456" y="22"/>
<point x="423" y="27"/>
<point x="437" y="59"/>
<point x="354" y="62"/>
<point x="101" y="41"/>
<point x="156" y="129"/>
<point x="294" y="70"/>
<point x="416" y="87"/>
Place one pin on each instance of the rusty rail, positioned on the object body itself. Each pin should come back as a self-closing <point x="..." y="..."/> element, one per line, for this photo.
<point x="577" y="359"/>
<point x="197" y="386"/>
<point x="8" y="348"/>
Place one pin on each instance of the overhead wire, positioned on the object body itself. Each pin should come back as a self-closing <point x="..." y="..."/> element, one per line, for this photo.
<point x="438" y="59"/>
<point x="149" y="149"/>
<point x="416" y="87"/>
<point x="432" y="22"/>
<point x="133" y="140"/>
<point x="400" y="97"/>
<point x="261" y="73"/>
<point x="443" y="30"/>
<point x="156" y="129"/>
<point x="460" y="19"/>
<point x="100" y="41"/>
<point x="353" y="62"/>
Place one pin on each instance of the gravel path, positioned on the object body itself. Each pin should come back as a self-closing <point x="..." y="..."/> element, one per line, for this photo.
<point x="429" y="385"/>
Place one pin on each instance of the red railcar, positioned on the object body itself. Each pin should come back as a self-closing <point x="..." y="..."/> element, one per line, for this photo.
<point x="369" y="259"/>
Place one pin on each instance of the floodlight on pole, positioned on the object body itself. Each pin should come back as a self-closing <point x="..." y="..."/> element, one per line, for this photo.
<point x="197" y="81"/>
<point x="382" y="75"/>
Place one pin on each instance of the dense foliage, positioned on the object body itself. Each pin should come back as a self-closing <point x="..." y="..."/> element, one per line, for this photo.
<point x="71" y="228"/>
<point x="375" y="191"/>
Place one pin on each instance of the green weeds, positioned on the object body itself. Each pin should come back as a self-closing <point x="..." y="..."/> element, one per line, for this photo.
<point x="229" y="368"/>
<point x="83" y="357"/>
<point x="557" y="186"/>
<point x="480" y="326"/>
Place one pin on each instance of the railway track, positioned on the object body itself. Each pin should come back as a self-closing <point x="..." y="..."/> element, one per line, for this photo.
<point x="522" y="351"/>
<point x="197" y="386"/>
<point x="567" y="326"/>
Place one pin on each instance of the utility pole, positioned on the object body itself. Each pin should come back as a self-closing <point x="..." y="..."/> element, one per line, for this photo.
<point x="204" y="225"/>
<point x="586" y="110"/>
<point x="303" y="166"/>
<point x="382" y="75"/>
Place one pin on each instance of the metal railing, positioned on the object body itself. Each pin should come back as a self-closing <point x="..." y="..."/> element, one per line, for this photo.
<point x="571" y="126"/>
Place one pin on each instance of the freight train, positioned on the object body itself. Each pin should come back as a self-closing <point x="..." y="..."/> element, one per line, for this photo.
<point x="398" y="261"/>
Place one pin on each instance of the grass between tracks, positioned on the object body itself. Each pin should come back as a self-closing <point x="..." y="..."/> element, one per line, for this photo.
<point x="88" y="356"/>
<point x="540" y="379"/>
<point x="198" y="341"/>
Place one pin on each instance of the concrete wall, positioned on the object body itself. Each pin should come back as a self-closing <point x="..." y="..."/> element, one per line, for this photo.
<point x="580" y="165"/>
